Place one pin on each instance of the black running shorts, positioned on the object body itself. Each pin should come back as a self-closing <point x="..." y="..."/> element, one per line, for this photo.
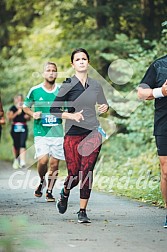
<point x="161" y="143"/>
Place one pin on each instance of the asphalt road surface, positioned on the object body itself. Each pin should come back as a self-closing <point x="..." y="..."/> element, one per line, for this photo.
<point x="118" y="224"/>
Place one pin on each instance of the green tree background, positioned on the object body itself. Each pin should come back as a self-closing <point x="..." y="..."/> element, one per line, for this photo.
<point x="33" y="32"/>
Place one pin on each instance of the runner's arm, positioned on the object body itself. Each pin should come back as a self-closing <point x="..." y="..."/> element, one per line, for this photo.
<point x="145" y="93"/>
<point x="148" y="93"/>
<point x="28" y="111"/>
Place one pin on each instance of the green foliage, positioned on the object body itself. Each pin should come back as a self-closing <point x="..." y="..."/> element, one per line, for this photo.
<point x="130" y="169"/>
<point x="15" y="234"/>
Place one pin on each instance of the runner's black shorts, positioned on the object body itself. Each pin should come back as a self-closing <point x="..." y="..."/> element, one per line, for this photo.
<point x="161" y="143"/>
<point x="19" y="139"/>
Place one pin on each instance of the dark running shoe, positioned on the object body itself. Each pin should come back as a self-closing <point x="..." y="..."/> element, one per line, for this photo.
<point x="62" y="202"/>
<point x="39" y="191"/>
<point x="165" y="225"/>
<point x="83" y="218"/>
<point x="49" y="196"/>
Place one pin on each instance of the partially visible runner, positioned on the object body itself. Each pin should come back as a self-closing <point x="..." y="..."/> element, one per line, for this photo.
<point x="82" y="142"/>
<point x="153" y="86"/>
<point x="48" y="130"/>
<point x="19" y="131"/>
<point x="2" y="121"/>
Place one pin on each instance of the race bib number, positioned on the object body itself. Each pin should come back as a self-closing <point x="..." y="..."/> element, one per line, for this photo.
<point x="49" y="120"/>
<point x="19" y="128"/>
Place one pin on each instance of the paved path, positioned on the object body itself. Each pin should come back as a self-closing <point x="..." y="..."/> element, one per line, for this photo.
<point x="118" y="224"/>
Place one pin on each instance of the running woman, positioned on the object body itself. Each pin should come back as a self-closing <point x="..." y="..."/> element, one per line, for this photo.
<point x="82" y="142"/>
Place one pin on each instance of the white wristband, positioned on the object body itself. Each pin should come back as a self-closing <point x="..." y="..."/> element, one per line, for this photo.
<point x="157" y="93"/>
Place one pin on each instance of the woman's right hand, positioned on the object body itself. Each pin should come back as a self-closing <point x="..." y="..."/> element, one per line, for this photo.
<point x="77" y="116"/>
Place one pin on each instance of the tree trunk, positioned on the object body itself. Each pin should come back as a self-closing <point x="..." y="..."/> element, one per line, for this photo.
<point x="148" y="10"/>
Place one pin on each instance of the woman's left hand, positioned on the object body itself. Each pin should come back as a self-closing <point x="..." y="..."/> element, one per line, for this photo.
<point x="102" y="108"/>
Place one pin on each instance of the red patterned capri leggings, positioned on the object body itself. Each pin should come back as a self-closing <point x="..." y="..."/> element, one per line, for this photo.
<point x="81" y="153"/>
